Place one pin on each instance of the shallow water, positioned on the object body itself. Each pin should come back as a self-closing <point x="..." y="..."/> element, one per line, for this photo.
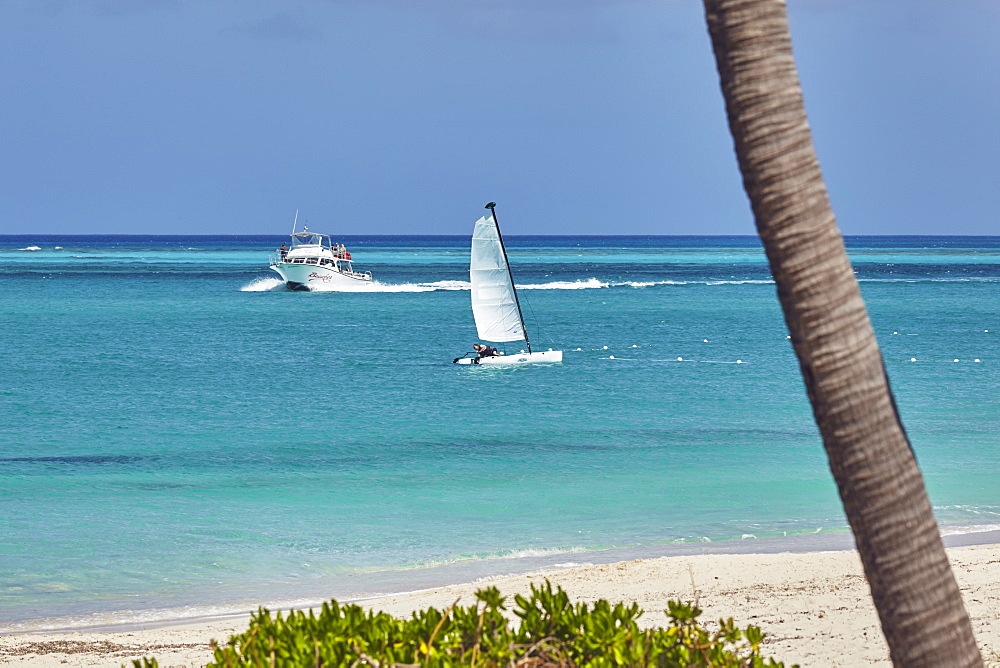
<point x="181" y="432"/>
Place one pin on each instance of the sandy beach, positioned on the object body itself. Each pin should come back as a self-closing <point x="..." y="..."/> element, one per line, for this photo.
<point x="814" y="607"/>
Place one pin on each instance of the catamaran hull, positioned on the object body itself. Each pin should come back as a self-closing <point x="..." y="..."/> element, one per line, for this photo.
<point x="545" y="357"/>
<point x="314" y="277"/>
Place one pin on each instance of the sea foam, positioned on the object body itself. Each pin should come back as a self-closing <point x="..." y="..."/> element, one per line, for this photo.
<point x="264" y="285"/>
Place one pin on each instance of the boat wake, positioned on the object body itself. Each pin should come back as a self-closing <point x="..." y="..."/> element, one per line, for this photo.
<point x="264" y="285"/>
<point x="276" y="284"/>
<point x="594" y="283"/>
<point x="586" y="284"/>
<point x="378" y="286"/>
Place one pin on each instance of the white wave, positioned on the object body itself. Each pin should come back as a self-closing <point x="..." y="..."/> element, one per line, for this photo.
<point x="377" y="286"/>
<point x="649" y="284"/>
<point x="527" y="553"/>
<point x="587" y="284"/>
<point x="434" y="286"/>
<point x="126" y="620"/>
<point x="965" y="530"/>
<point x="448" y="285"/>
<point x="356" y="286"/>
<point x="422" y="287"/>
<point x="926" y="279"/>
<point x="264" y="285"/>
<point x="31" y="248"/>
<point x="506" y="555"/>
<point x="579" y="284"/>
<point x="270" y="284"/>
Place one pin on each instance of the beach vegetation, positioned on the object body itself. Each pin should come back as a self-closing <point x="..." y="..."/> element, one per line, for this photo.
<point x="544" y="628"/>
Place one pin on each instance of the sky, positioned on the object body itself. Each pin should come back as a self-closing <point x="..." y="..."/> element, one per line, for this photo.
<point x="407" y="116"/>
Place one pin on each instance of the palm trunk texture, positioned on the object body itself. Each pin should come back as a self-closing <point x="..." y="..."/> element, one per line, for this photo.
<point x="918" y="601"/>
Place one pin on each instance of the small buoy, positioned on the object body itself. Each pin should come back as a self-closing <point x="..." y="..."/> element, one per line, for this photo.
<point x="634" y="346"/>
<point x="704" y="340"/>
<point x="986" y="331"/>
<point x="789" y="336"/>
<point x="579" y="349"/>
<point x="611" y="357"/>
<point x="604" y="348"/>
<point x="913" y="359"/>
<point x="954" y="360"/>
<point x="895" y="332"/>
<point x="739" y="361"/>
<point x="978" y="360"/>
<point x="680" y="359"/>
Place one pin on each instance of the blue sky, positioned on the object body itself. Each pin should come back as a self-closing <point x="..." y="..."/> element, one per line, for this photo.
<point x="406" y="116"/>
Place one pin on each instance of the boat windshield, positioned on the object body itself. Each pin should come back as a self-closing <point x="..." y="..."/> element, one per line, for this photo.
<point x="310" y="239"/>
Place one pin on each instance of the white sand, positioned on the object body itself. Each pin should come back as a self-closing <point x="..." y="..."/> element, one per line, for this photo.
<point x="814" y="607"/>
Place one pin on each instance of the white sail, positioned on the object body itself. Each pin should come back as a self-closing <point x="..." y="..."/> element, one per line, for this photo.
<point x="494" y="304"/>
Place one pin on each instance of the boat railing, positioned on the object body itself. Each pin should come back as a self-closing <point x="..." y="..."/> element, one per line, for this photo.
<point x="277" y="258"/>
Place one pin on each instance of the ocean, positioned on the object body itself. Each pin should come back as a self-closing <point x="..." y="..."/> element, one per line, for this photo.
<point x="181" y="436"/>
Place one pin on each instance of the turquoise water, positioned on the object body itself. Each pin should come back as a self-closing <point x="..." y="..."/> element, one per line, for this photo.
<point x="183" y="436"/>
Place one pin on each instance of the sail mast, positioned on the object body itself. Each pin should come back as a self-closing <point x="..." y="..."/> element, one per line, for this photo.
<point x="492" y="207"/>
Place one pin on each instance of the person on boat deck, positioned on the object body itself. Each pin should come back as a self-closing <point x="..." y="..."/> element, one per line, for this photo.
<point x="485" y="351"/>
<point x="283" y="251"/>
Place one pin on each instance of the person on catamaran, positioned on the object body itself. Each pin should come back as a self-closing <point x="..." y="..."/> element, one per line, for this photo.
<point x="485" y="351"/>
<point x="283" y="251"/>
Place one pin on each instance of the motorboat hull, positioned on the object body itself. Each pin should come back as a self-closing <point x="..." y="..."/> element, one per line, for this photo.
<point x="304" y="277"/>
<point x="545" y="357"/>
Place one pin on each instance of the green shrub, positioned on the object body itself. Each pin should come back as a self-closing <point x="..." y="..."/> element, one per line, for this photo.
<point x="552" y="632"/>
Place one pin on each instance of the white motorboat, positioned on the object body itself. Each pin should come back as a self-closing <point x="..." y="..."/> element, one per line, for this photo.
<point x="495" y="305"/>
<point x="313" y="262"/>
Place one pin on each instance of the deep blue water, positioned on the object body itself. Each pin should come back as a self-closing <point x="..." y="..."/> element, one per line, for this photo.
<point x="181" y="432"/>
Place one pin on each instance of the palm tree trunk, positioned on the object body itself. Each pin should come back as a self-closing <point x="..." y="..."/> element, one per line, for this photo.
<point x="915" y="593"/>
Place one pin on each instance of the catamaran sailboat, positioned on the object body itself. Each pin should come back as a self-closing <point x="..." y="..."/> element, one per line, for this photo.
<point x="313" y="262"/>
<point x="495" y="306"/>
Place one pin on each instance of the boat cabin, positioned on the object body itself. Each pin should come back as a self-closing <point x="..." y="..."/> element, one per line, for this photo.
<point x="312" y="248"/>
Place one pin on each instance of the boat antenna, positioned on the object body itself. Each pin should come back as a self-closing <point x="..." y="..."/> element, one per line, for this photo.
<point x="295" y="222"/>
<point x="492" y="207"/>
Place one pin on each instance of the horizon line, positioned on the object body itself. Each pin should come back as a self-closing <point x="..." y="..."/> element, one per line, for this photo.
<point x="463" y="235"/>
